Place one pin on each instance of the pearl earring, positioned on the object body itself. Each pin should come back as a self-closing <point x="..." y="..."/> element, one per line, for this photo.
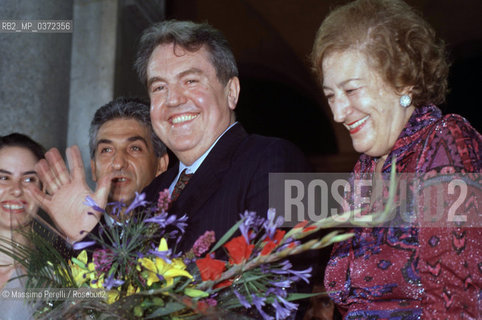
<point x="405" y="100"/>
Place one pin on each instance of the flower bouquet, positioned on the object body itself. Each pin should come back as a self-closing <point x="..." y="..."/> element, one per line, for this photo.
<point x="134" y="263"/>
<point x="132" y="259"/>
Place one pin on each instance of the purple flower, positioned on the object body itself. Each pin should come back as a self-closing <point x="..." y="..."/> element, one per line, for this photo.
<point x="276" y="291"/>
<point x="290" y="305"/>
<point x="301" y="275"/>
<point x="244" y="227"/>
<point x="174" y="234"/>
<point x="91" y="203"/>
<point x="117" y="208"/>
<point x="181" y="223"/>
<point x="282" y="284"/>
<point x="283" y="308"/>
<point x="137" y="202"/>
<point x="250" y="222"/>
<point x="259" y="304"/>
<point x="188" y="261"/>
<point x="83" y="244"/>
<point x="281" y="312"/>
<point x="163" y="220"/>
<point x="270" y="225"/>
<point x="265" y="268"/>
<point x="102" y="259"/>
<point x="296" y="274"/>
<point x="244" y="302"/>
<point x="285" y="268"/>
<point x="111" y="282"/>
<point x="203" y="243"/>
<point x="212" y="302"/>
<point x="162" y="254"/>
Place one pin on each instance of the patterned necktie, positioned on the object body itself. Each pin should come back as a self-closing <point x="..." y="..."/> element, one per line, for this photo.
<point x="180" y="184"/>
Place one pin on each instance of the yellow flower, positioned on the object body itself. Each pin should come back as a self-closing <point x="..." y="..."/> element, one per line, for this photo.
<point x="158" y="267"/>
<point x="91" y="266"/>
<point x="79" y="268"/>
<point x="131" y="290"/>
<point x="98" y="283"/>
<point x="112" y="296"/>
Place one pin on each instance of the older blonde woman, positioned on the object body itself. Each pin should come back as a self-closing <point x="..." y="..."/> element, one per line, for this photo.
<point x="383" y="71"/>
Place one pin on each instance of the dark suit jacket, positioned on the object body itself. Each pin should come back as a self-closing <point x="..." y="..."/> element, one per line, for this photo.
<point x="233" y="178"/>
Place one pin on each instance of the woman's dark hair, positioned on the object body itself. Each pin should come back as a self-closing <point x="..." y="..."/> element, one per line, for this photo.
<point x="20" y="140"/>
<point x="397" y="42"/>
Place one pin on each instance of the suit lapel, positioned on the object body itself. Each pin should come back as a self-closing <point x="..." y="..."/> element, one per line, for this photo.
<point x="209" y="177"/>
<point x="160" y="183"/>
<point x="169" y="176"/>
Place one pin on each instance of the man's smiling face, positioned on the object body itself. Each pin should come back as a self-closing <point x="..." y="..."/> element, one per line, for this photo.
<point x="190" y="107"/>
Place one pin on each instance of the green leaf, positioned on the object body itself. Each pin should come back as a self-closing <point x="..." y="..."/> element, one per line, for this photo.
<point x="299" y="296"/>
<point x="249" y="278"/>
<point x="227" y="236"/>
<point x="169" y="308"/>
<point x="194" y="293"/>
<point x="79" y="263"/>
<point x="342" y="237"/>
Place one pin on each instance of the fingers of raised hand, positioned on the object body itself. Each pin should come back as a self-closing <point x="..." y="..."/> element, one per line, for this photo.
<point x="74" y="157"/>
<point x="103" y="189"/>
<point x="38" y="196"/>
<point x="47" y="176"/>
<point x="57" y="166"/>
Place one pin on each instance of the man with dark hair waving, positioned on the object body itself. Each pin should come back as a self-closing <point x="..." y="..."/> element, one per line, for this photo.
<point x="126" y="155"/>
<point x="122" y="142"/>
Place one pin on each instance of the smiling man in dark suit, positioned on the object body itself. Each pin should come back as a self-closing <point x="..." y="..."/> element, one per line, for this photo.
<point x="192" y="81"/>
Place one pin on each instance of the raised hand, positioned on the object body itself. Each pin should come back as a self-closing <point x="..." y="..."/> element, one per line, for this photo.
<point x="67" y="192"/>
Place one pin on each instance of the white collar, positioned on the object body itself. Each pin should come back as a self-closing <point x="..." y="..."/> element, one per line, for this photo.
<point x="196" y="164"/>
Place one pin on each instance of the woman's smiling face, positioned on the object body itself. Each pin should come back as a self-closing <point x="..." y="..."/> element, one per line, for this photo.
<point x="16" y="172"/>
<point x="363" y="102"/>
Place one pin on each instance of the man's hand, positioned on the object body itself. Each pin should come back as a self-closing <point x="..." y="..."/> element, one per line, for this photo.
<point x="67" y="192"/>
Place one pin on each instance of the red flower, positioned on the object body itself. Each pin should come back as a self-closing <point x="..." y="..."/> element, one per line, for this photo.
<point x="225" y="283"/>
<point x="268" y="247"/>
<point x="205" y="304"/>
<point x="279" y="235"/>
<point x="202" y="307"/>
<point x="239" y="250"/>
<point x="271" y="244"/>
<point x="309" y="228"/>
<point x="210" y="269"/>
<point x="302" y="224"/>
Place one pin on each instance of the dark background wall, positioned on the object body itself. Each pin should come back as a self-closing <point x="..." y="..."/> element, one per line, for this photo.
<point x="272" y="39"/>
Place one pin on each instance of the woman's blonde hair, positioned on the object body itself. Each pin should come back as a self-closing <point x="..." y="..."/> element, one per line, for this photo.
<point x="397" y="41"/>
